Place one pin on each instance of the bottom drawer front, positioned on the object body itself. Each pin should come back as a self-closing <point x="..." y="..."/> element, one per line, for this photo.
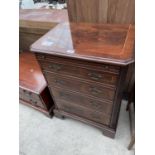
<point x="74" y="98"/>
<point x="83" y="112"/>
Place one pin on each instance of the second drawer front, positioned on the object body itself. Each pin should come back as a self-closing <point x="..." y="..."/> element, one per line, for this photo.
<point x="77" y="99"/>
<point x="85" y="113"/>
<point x="97" y="76"/>
<point x="83" y="87"/>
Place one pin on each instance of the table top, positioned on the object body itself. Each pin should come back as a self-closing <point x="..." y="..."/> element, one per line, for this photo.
<point x="30" y="75"/>
<point x="105" y="43"/>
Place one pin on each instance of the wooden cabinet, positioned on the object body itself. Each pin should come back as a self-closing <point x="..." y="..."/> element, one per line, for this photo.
<point x="102" y="11"/>
<point x="33" y="90"/>
<point x="85" y="70"/>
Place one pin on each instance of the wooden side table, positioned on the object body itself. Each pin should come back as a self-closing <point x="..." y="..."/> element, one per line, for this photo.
<point x="33" y="90"/>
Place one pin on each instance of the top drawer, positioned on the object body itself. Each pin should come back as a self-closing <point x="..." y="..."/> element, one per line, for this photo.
<point x="88" y="74"/>
<point x="80" y="63"/>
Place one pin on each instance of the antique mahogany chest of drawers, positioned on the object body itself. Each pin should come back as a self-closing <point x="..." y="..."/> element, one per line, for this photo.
<point x="33" y="90"/>
<point x="85" y="66"/>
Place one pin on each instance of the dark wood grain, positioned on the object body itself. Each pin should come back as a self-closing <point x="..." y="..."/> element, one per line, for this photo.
<point x="83" y="112"/>
<point x="99" y="105"/>
<point x="89" y="74"/>
<point x="93" y="89"/>
<point x="118" y="98"/>
<point x="79" y="63"/>
<point x="30" y="74"/>
<point x="96" y="42"/>
<point x="85" y="66"/>
<point x="33" y="89"/>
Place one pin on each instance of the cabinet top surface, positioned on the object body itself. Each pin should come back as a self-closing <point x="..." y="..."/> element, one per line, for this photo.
<point x="104" y="43"/>
<point x="43" y="15"/>
<point x="30" y="74"/>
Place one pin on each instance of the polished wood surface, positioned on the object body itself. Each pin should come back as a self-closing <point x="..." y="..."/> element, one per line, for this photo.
<point x="96" y="42"/>
<point x="33" y="89"/>
<point x="34" y="23"/>
<point x="85" y="66"/>
<point x="30" y="74"/>
<point x="102" y="11"/>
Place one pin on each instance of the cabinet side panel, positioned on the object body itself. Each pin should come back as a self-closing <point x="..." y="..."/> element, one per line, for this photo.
<point x="118" y="98"/>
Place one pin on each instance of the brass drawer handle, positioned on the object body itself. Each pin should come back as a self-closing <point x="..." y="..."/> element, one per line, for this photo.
<point x="95" y="76"/>
<point x="95" y="90"/>
<point x="56" y="67"/>
<point x="60" y="82"/>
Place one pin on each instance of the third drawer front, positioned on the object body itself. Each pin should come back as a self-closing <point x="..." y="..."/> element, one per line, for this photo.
<point x="84" y="112"/>
<point x="89" y="74"/>
<point x="77" y="99"/>
<point x="74" y="84"/>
